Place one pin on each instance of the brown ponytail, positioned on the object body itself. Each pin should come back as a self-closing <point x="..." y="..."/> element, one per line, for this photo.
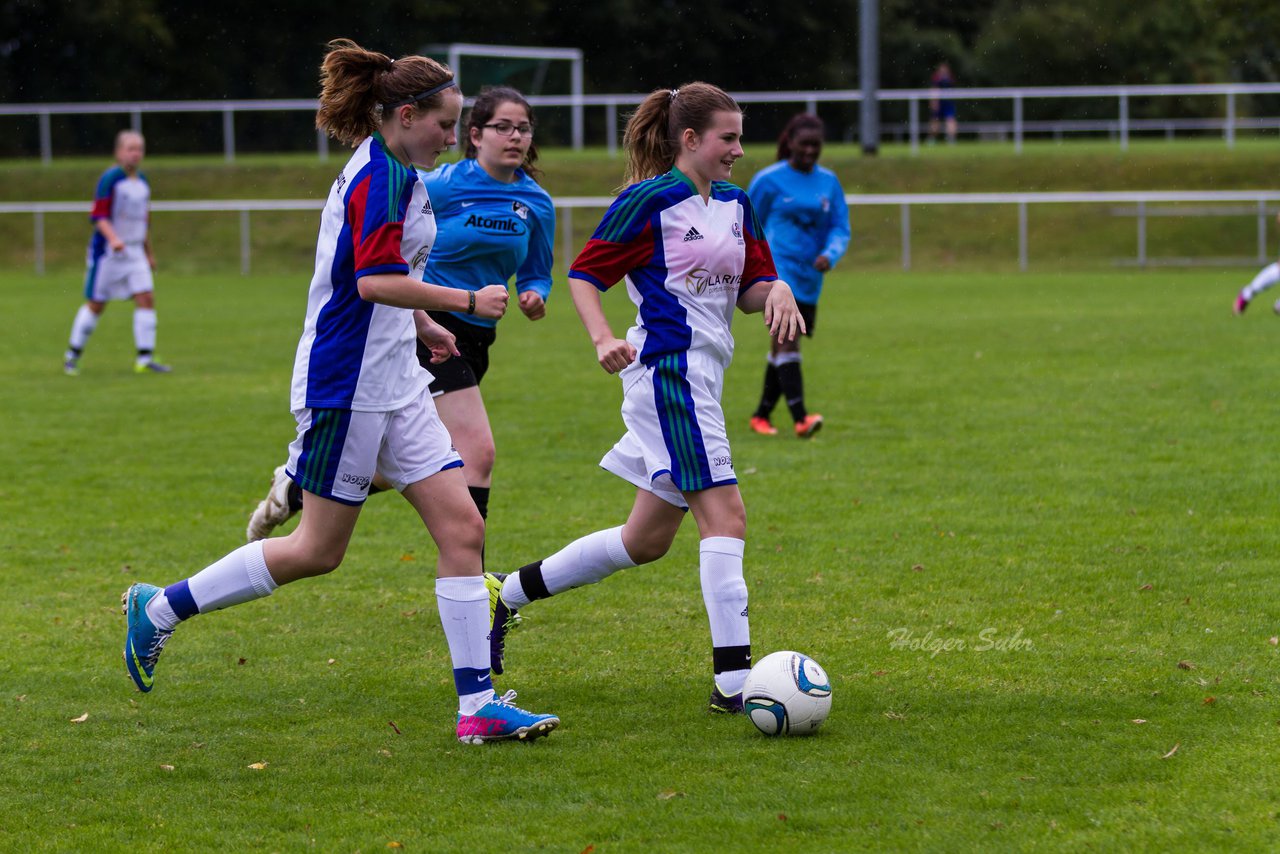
<point x="358" y="85"/>
<point x="652" y="137"/>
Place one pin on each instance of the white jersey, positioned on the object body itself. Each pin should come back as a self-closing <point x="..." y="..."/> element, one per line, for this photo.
<point x="125" y="200"/>
<point x="355" y="354"/>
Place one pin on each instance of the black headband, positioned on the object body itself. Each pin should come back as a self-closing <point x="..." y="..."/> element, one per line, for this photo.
<point x="422" y="96"/>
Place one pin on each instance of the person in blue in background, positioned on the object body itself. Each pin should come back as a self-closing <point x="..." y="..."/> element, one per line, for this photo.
<point x="942" y="110"/>
<point x="806" y="222"/>
<point x="494" y="222"/>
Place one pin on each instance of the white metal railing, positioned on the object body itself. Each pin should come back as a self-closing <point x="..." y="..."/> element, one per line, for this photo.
<point x="566" y="205"/>
<point x="1016" y="96"/>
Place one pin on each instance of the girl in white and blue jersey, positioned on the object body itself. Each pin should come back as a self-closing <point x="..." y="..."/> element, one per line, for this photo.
<point x="119" y="262"/>
<point x="806" y="221"/>
<point x="495" y="223"/>
<point x="690" y="248"/>
<point x="359" y="393"/>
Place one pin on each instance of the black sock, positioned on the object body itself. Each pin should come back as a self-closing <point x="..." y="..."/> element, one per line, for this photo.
<point x="531" y="582"/>
<point x="295" y="497"/>
<point x="793" y="389"/>
<point x="772" y="390"/>
<point x="480" y="495"/>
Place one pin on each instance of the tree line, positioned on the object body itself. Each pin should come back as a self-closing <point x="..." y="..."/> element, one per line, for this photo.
<point x="112" y="50"/>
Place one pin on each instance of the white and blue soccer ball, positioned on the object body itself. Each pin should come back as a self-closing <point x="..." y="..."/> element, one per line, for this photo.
<point x="787" y="693"/>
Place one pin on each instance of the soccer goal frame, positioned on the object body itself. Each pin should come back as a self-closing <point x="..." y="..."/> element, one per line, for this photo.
<point x="456" y="51"/>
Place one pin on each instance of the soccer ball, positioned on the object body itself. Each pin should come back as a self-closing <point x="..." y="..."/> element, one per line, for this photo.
<point x="787" y="693"/>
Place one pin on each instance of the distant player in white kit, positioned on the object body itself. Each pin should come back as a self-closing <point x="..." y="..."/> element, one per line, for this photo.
<point x="120" y="259"/>
<point x="1266" y="278"/>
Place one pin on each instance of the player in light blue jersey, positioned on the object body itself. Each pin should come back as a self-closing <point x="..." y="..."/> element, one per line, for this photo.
<point x="806" y="221"/>
<point x="495" y="222"/>
<point x="120" y="261"/>
<point x="359" y="394"/>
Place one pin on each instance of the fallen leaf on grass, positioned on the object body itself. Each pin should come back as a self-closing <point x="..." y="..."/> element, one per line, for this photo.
<point x="1172" y="751"/>
<point x="166" y="767"/>
<point x="392" y="724"/>
<point x="782" y="816"/>
<point x="1138" y="721"/>
<point x="588" y="849"/>
<point x="1147" y="587"/>
<point x="406" y="558"/>
<point x="333" y="661"/>
<point x="1209" y="701"/>
<point x="668" y="794"/>
<point x="384" y="752"/>
<point x="879" y="672"/>
<point x="895" y="716"/>
<point x="395" y="844"/>
<point x="919" y="567"/>
<point x="258" y="766"/>
<point x="1186" y="665"/>
<point x="242" y="661"/>
<point x="1273" y="640"/>
<point x="408" y="613"/>
<point x="80" y="719"/>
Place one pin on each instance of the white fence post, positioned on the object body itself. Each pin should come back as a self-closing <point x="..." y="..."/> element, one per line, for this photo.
<point x="1142" y="234"/>
<point x="611" y="128"/>
<point x="913" y="122"/>
<point x="906" y="236"/>
<point x="229" y="135"/>
<point x="1262" y="231"/>
<point x="46" y="139"/>
<point x="1230" y="130"/>
<point x="244" y="243"/>
<point x="1017" y="124"/>
<point x="1124" y="120"/>
<point x="39" y="225"/>
<point x="1022" y="236"/>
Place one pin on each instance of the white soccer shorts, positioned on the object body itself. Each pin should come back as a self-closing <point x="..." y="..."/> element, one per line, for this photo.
<point x="118" y="275"/>
<point x="676" y="440"/>
<point x="337" y="451"/>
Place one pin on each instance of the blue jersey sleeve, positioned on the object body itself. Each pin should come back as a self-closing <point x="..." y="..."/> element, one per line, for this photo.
<point x="535" y="273"/>
<point x="838" y="224"/>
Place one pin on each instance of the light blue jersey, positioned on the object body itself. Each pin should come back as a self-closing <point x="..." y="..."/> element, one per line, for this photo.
<point x="489" y="232"/>
<point x="804" y="216"/>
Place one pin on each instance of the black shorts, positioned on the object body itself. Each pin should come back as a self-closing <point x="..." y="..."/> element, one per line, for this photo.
<point x="463" y="371"/>
<point x="809" y="311"/>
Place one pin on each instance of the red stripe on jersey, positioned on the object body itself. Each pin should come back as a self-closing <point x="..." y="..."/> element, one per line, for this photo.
<point x="102" y="207"/>
<point x="608" y="262"/>
<point x="381" y="248"/>
<point x="758" y="263"/>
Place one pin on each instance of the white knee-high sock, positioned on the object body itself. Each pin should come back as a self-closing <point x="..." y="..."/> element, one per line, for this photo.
<point x="239" y="577"/>
<point x="1266" y="278"/>
<point x="724" y="592"/>
<point x="584" y="561"/>
<point x="81" y="328"/>
<point x="464" y="613"/>
<point x="144" y="330"/>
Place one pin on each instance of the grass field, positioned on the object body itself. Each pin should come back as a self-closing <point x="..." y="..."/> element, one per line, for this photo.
<point x="1070" y="475"/>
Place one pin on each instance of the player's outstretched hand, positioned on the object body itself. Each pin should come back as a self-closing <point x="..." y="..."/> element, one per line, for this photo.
<point x="436" y="338"/>
<point x="491" y="301"/>
<point x="615" y="354"/>
<point x="781" y="314"/>
<point x="532" y="305"/>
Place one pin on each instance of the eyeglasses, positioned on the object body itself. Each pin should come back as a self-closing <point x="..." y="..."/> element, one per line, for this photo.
<point x="507" y="128"/>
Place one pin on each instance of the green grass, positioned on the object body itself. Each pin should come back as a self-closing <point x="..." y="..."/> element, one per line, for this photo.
<point x="1077" y="461"/>
<point x="964" y="239"/>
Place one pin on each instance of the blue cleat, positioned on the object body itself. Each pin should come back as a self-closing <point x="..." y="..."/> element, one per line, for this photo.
<point x="501" y="620"/>
<point x="501" y="719"/>
<point x="143" y="642"/>
<point x="723" y="704"/>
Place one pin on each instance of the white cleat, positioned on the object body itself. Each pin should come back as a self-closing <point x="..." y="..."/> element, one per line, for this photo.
<point x="272" y="511"/>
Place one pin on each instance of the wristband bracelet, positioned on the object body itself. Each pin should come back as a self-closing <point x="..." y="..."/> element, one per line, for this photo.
<point x="471" y="302"/>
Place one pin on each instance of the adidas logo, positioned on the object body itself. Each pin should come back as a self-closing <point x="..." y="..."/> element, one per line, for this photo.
<point x="692" y="234"/>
